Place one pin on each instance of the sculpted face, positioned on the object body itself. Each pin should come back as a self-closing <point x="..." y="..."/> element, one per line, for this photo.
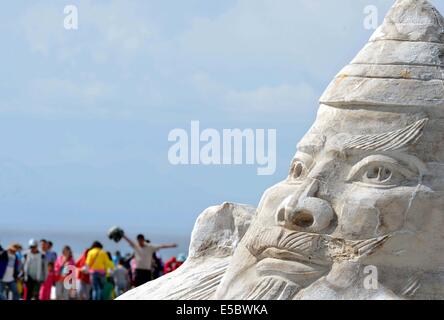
<point x="359" y="192"/>
<point x="365" y="188"/>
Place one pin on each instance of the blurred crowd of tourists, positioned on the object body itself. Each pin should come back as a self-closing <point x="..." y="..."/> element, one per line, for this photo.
<point x="39" y="273"/>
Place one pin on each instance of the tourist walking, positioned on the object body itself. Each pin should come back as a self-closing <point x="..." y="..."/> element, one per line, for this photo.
<point x="46" y="286"/>
<point x="121" y="278"/>
<point x="108" y="288"/>
<point x="64" y="267"/>
<point x="98" y="263"/>
<point x="35" y="270"/>
<point x="157" y="267"/>
<point x="9" y="270"/>
<point x="84" y="277"/>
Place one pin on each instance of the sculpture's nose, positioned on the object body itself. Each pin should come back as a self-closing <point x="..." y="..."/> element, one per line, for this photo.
<point x="304" y="211"/>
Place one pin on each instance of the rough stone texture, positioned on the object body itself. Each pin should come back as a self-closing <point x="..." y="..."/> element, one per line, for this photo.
<point x="364" y="191"/>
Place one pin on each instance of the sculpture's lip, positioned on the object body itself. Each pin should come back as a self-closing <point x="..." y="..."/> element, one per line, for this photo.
<point x="293" y="270"/>
<point x="293" y="256"/>
<point x="295" y="267"/>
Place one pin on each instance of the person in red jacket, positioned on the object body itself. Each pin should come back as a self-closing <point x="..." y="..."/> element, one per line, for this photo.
<point x="83" y="276"/>
<point x="173" y="263"/>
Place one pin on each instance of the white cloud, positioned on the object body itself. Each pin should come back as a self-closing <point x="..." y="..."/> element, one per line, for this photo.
<point x="77" y="152"/>
<point x="262" y="55"/>
<point x="299" y="98"/>
<point x="121" y="27"/>
<point x="309" y="35"/>
<point x="84" y="67"/>
<point x="63" y="97"/>
<point x="265" y="100"/>
<point x="43" y="28"/>
<point x="106" y="29"/>
<point x="55" y="87"/>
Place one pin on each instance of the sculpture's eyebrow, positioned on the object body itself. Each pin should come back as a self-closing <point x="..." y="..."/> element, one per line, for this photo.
<point x="388" y="141"/>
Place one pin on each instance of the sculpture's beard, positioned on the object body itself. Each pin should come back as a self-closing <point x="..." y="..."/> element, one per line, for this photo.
<point x="288" y="261"/>
<point x="273" y="288"/>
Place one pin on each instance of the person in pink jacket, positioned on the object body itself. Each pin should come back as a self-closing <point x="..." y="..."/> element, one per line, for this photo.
<point x="64" y="268"/>
<point x="46" y="286"/>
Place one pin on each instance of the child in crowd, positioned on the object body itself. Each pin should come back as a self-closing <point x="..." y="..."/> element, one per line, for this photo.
<point x="121" y="278"/>
<point x="46" y="286"/>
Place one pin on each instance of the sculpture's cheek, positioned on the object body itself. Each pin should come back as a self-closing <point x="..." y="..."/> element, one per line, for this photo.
<point x="367" y="213"/>
<point x="393" y="211"/>
<point x="357" y="221"/>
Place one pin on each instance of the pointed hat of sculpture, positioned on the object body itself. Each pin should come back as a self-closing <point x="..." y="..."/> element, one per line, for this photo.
<point x="401" y="65"/>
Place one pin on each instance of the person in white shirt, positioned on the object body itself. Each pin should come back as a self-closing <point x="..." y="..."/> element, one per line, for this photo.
<point x="35" y="270"/>
<point x="143" y="254"/>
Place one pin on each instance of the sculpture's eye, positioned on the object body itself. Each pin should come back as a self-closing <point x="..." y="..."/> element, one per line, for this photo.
<point x="298" y="170"/>
<point x="377" y="174"/>
<point x="378" y="170"/>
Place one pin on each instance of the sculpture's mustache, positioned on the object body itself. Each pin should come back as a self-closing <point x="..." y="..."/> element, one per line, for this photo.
<point x="319" y="249"/>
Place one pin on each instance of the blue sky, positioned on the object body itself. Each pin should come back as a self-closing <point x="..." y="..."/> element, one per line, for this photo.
<point x="85" y="114"/>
